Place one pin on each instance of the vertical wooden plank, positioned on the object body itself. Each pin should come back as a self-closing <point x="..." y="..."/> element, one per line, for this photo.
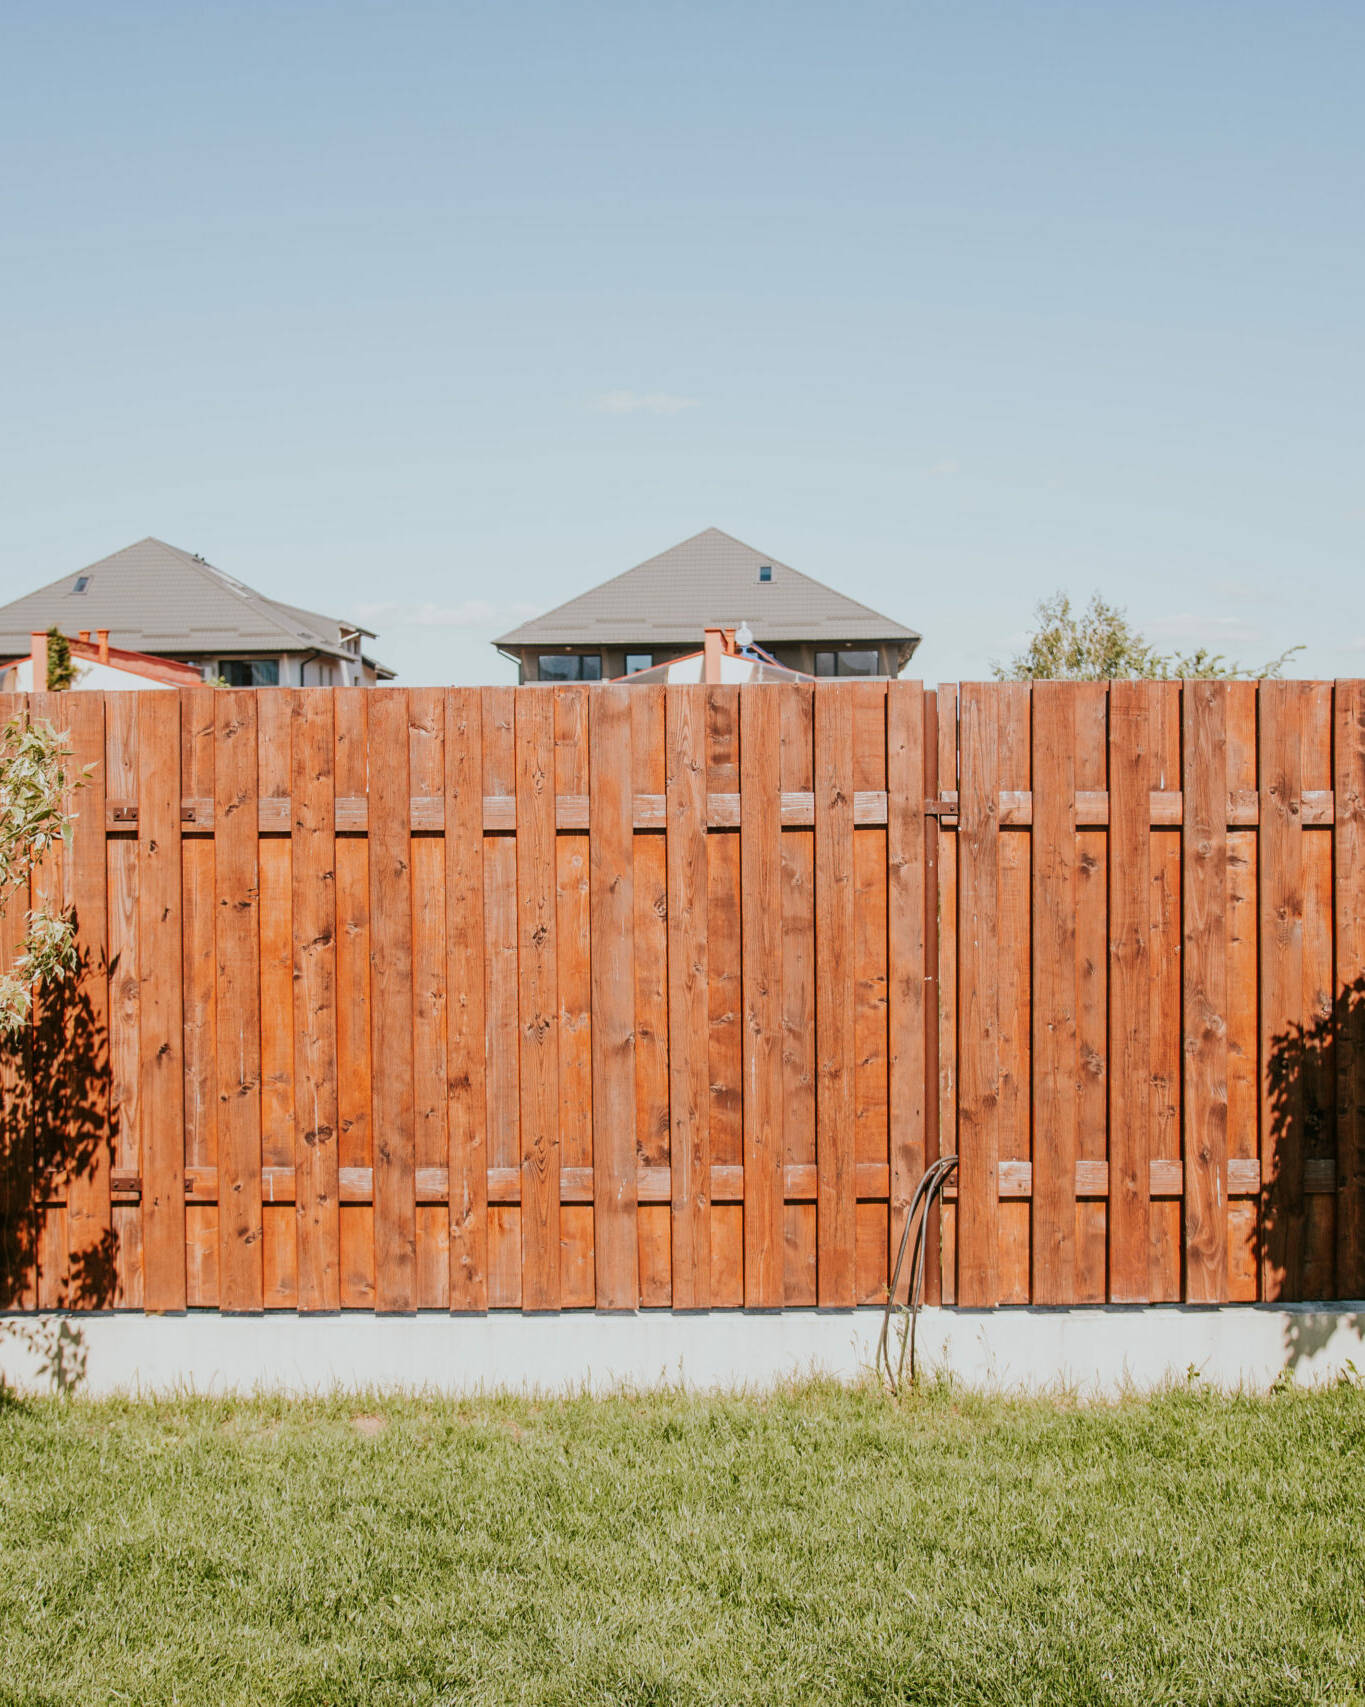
<point x="834" y="999"/>
<point x="1167" y="1039"/>
<point x="1204" y="855"/>
<point x="502" y="1052"/>
<point x="538" y="1001"/>
<point x="796" y="773"/>
<point x="577" y="1285"/>
<point x="89" y="1211"/>
<point x="350" y="709"/>
<point x="162" y="1019"/>
<point x="688" y="1019"/>
<point x="978" y="852"/>
<point x="726" y="997"/>
<point x="947" y="779"/>
<point x="49" y="1129"/>
<point x="611" y="867"/>
<point x="1243" y="982"/>
<point x="1013" y="979"/>
<point x="465" y="985"/>
<point x="1092" y="990"/>
<point x="17" y="1223"/>
<point x="648" y="772"/>
<point x="198" y="737"/>
<point x="237" y="963"/>
<point x="760" y="838"/>
<point x="933" y="1019"/>
<point x="125" y="990"/>
<point x="395" y="1201"/>
<point x="870" y="1070"/>
<point x="316" y="1192"/>
<point x="1281" y="973"/>
<point x="1348" y="780"/>
<point x="906" y="965"/>
<point x="1323" y="1024"/>
<point x="279" y="1231"/>
<point x="426" y="749"/>
<point x="1056" y="1059"/>
<point x="1131" y="1060"/>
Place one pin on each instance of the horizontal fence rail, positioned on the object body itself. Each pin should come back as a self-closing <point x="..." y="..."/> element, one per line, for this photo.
<point x="612" y="997"/>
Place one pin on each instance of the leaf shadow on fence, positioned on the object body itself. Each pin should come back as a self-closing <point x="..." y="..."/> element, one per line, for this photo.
<point x="1316" y="1078"/>
<point x="55" y="1127"/>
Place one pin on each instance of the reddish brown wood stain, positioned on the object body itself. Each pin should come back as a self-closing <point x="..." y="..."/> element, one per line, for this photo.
<point x="581" y="997"/>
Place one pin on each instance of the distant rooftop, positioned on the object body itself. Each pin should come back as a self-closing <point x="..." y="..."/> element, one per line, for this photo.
<point x="153" y="597"/>
<point x="709" y="581"/>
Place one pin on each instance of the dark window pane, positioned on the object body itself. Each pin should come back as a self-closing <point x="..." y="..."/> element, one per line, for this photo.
<point x="570" y="667"/>
<point x="824" y="663"/>
<point x="250" y="672"/>
<point x="561" y="669"/>
<point x="765" y="572"/>
<point x="858" y="663"/>
<point x="638" y="661"/>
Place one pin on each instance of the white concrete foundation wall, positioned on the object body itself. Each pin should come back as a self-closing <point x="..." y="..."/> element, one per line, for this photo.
<point x="1095" y="1352"/>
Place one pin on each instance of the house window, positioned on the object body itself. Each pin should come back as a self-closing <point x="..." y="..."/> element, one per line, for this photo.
<point x="250" y="672"/>
<point x="570" y="666"/>
<point x="765" y="572"/>
<point x="82" y="582"/>
<point x="847" y="664"/>
<point x="639" y="661"/>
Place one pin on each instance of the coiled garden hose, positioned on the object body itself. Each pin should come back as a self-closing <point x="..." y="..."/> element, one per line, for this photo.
<point x="916" y="1222"/>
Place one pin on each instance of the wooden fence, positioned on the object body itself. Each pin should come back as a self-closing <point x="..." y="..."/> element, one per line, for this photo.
<point x="558" y="998"/>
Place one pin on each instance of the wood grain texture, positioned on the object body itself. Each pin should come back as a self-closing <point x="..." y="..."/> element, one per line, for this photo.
<point x="688" y="1018"/>
<point x="978" y="1112"/>
<point x="125" y="991"/>
<point x="317" y="1203"/>
<point x="395" y="1203"/>
<point x="796" y="773"/>
<point x="1348" y="780"/>
<point x="834" y="999"/>
<point x="906" y="964"/>
<point x="1056" y="1051"/>
<point x="90" y="1236"/>
<point x="573" y="930"/>
<point x="161" y="1015"/>
<point x="611" y="868"/>
<point x="465" y="1041"/>
<point x="1092" y="988"/>
<point x="1282" y="895"/>
<point x="1131" y="971"/>
<point x="237" y="959"/>
<point x="1204" y="931"/>
<point x="760" y="930"/>
<point x="538" y="1002"/>
<point x="648" y="778"/>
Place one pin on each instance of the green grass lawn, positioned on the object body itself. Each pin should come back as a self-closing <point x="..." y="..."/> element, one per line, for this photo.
<point x="818" y="1545"/>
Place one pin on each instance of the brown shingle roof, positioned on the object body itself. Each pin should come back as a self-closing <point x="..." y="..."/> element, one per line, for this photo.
<point x="709" y="581"/>
<point x="153" y="597"/>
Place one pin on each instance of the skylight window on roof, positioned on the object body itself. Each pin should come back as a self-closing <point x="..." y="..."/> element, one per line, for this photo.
<point x="82" y="582"/>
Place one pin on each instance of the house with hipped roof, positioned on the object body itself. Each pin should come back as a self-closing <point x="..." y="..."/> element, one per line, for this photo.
<point x="155" y="599"/>
<point x="661" y="609"/>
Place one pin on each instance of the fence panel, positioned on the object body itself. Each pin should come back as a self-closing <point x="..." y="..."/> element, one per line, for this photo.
<point x="626" y="998"/>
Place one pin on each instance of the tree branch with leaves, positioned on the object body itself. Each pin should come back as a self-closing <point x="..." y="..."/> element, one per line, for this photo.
<point x="1099" y="644"/>
<point x="36" y="784"/>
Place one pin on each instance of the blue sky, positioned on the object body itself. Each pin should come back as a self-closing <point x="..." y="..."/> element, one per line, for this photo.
<point x="442" y="313"/>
